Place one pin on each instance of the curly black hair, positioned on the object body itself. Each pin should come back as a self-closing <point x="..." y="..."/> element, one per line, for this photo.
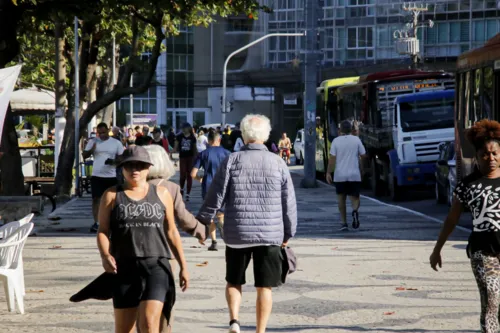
<point x="482" y="132"/>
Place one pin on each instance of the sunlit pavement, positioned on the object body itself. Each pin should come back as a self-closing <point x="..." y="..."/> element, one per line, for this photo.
<point x="376" y="279"/>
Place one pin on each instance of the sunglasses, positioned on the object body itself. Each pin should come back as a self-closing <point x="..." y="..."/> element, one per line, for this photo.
<point x="139" y="166"/>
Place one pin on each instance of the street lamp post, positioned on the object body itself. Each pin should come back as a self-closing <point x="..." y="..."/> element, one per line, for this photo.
<point x="77" y="111"/>
<point x="224" y="73"/>
<point x="114" y="76"/>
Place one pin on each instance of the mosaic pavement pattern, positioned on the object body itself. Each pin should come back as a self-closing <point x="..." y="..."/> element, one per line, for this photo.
<point x="376" y="279"/>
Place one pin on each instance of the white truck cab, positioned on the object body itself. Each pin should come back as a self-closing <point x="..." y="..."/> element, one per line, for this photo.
<point x="422" y="122"/>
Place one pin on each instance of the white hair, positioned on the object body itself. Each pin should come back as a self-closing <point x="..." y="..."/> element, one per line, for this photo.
<point x="162" y="167"/>
<point x="255" y="127"/>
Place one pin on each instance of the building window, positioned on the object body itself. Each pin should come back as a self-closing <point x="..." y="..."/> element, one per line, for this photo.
<point x="361" y="8"/>
<point x="360" y="37"/>
<point x="448" y="32"/>
<point x="485" y="29"/>
<point x="340" y="38"/>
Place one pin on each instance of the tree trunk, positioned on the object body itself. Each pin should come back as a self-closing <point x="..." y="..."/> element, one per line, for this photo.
<point x="10" y="164"/>
<point x="64" y="176"/>
<point x="60" y="89"/>
<point x="12" y="178"/>
<point x="106" y="85"/>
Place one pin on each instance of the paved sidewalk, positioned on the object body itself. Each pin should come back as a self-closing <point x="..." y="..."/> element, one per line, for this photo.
<point x="376" y="279"/>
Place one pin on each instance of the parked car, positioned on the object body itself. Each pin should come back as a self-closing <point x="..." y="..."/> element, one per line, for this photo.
<point x="446" y="173"/>
<point x="298" y="147"/>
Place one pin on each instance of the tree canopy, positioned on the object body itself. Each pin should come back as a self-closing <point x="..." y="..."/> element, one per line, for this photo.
<point x="140" y="25"/>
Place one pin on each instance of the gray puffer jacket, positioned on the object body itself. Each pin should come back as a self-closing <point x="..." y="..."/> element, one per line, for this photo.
<point x="257" y="191"/>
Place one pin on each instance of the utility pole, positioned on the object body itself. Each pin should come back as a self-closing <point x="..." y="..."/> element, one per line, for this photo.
<point x="77" y="110"/>
<point x="225" y="106"/>
<point x="132" y="102"/>
<point x="310" y="81"/>
<point x="114" y="76"/>
<point x="407" y="40"/>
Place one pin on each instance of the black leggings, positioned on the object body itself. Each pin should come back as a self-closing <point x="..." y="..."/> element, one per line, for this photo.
<point x="185" y="167"/>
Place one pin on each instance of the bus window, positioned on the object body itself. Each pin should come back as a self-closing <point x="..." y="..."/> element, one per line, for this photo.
<point x="477" y="113"/>
<point x="461" y="92"/>
<point x="489" y="78"/>
<point x="467" y="100"/>
<point x="427" y="115"/>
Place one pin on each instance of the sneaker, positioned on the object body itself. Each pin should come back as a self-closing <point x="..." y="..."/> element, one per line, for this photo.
<point x="234" y="326"/>
<point x="187" y="197"/>
<point x="344" y="228"/>
<point x="94" y="228"/>
<point x="213" y="247"/>
<point x="355" y="219"/>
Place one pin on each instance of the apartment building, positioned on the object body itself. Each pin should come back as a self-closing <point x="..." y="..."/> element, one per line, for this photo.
<point x="355" y="35"/>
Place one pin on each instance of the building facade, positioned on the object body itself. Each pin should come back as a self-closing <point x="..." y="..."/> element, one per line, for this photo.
<point x="352" y="34"/>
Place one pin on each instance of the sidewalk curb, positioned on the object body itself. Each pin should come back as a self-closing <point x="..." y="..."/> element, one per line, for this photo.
<point x="414" y="212"/>
<point x="55" y="214"/>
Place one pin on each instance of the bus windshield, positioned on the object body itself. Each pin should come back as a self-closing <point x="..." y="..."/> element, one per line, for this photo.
<point x="427" y="114"/>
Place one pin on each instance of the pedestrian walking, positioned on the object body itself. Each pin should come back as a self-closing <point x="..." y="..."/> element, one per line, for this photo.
<point x="479" y="192"/>
<point x="210" y="160"/>
<point x="185" y="145"/>
<point x="201" y="141"/>
<point x="159" y="174"/>
<point x="260" y="217"/>
<point x="159" y="140"/>
<point x="105" y="151"/>
<point x="345" y="154"/>
<point x="235" y="135"/>
<point x="140" y="218"/>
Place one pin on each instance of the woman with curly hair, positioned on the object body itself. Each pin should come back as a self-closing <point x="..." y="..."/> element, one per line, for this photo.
<point x="480" y="193"/>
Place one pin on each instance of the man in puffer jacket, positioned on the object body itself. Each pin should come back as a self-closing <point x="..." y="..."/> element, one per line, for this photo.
<point x="260" y="217"/>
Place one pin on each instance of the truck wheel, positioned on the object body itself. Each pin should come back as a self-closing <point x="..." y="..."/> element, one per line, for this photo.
<point x="394" y="189"/>
<point x="377" y="186"/>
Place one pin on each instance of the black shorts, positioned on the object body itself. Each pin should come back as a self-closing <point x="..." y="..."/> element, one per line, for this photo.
<point x="267" y="265"/>
<point x="100" y="185"/>
<point x="204" y="194"/>
<point x="351" y="189"/>
<point x="140" y="280"/>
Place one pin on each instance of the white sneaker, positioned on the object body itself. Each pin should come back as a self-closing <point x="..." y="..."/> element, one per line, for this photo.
<point x="234" y="328"/>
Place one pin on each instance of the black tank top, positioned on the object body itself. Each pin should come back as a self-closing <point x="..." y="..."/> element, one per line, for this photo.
<point x="137" y="229"/>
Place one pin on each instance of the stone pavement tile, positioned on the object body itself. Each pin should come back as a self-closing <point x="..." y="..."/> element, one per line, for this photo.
<point x="342" y="285"/>
<point x="346" y="282"/>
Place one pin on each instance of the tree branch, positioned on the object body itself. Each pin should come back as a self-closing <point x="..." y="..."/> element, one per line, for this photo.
<point x="129" y="67"/>
<point x="119" y="92"/>
<point x="68" y="53"/>
<point x="142" y="17"/>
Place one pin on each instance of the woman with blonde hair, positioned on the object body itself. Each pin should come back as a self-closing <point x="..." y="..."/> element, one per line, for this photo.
<point x="159" y="174"/>
<point x="136" y="244"/>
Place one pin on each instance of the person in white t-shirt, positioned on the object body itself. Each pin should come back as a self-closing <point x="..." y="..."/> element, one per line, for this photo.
<point x="345" y="155"/>
<point x="201" y="141"/>
<point x="105" y="151"/>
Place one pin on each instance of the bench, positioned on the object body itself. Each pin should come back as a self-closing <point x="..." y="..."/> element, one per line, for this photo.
<point x="13" y="208"/>
<point x="34" y="183"/>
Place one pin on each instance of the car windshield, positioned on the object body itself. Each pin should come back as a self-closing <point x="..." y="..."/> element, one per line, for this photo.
<point x="427" y="115"/>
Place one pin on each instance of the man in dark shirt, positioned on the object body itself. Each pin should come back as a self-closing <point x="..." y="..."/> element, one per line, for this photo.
<point x="185" y="145"/>
<point x="235" y="134"/>
<point x="209" y="160"/>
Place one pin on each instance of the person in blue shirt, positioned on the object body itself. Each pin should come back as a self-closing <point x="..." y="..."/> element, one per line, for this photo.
<point x="209" y="160"/>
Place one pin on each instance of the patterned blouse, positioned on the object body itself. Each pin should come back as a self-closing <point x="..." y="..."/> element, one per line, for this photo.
<point x="481" y="196"/>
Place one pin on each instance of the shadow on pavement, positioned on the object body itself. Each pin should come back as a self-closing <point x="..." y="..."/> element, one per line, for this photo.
<point x="296" y="328"/>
